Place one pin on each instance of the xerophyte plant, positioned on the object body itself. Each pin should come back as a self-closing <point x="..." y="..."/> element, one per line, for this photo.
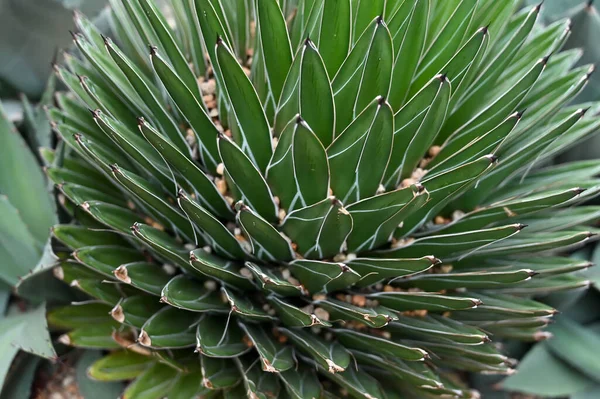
<point x="322" y="198"/>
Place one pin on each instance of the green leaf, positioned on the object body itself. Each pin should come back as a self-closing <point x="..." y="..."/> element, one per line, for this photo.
<point x="494" y="113"/>
<point x="381" y="215"/>
<point x="119" y="366"/>
<point x="76" y="237"/>
<point x="302" y="383"/>
<point x="28" y="332"/>
<point x="274" y="356"/>
<point x="365" y="75"/>
<point x="319" y="230"/>
<point x="80" y="315"/>
<point x="104" y="259"/>
<point x="27" y="191"/>
<point x="154" y="383"/>
<point x="169" y="328"/>
<point x="448" y="40"/>
<point x="358" y="157"/>
<point x="185" y="292"/>
<point x="377" y="317"/>
<point x="18" y="247"/>
<point x="408" y="122"/>
<point x="332" y="356"/>
<point x="274" y="281"/>
<point x="404" y="301"/>
<point x="450" y="246"/>
<point x="194" y="113"/>
<point x="445" y="186"/>
<point x="219" y="373"/>
<point x="163" y="245"/>
<point x="374" y="270"/>
<point x="572" y="343"/>
<point x="252" y="124"/>
<point x="163" y="33"/>
<point x="357" y="382"/>
<point x="212" y="266"/>
<point x="242" y="306"/>
<point x="91" y="337"/>
<point x="319" y="276"/>
<point x="219" y="236"/>
<point x="414" y="372"/>
<point x="334" y="37"/>
<point x="408" y="27"/>
<point x="354" y="339"/>
<point x="90" y="388"/>
<point x="248" y="179"/>
<point x="267" y="243"/>
<point x="275" y="44"/>
<point x="153" y="198"/>
<point x="438" y="328"/>
<point x="541" y="373"/>
<point x="510" y="209"/>
<point x="218" y="337"/>
<point x="136" y="310"/>
<point x="158" y="111"/>
<point x="293" y="316"/>
<point x="307" y="91"/>
<point x="147" y="277"/>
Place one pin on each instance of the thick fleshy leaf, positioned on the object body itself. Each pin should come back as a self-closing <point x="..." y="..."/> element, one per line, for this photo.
<point x="361" y="341"/>
<point x="136" y="310"/>
<point x="293" y="316"/>
<point x="220" y="269"/>
<point x="253" y="127"/>
<point x="307" y="91"/>
<point x="248" y="179"/>
<point x="404" y="301"/>
<point x="319" y="276"/>
<point x="450" y="246"/>
<point x="320" y="230"/>
<point x="365" y="74"/>
<point x="187" y="293"/>
<point x="106" y="259"/>
<point x="169" y="328"/>
<point x="373" y="317"/>
<point x="408" y="28"/>
<point x="374" y="270"/>
<point x="267" y="243"/>
<point x="572" y="343"/>
<point x="331" y="356"/>
<point x="275" y="42"/>
<point x="334" y="37"/>
<point x="358" y="157"/>
<point x="219" y="373"/>
<point x="194" y="113"/>
<point x="81" y="315"/>
<point x="218" y="336"/>
<point x="119" y="366"/>
<point x="154" y="383"/>
<point x="244" y="307"/>
<point x="379" y="216"/>
<point x="274" y="281"/>
<point x="221" y="239"/>
<point x="357" y="382"/>
<point x="302" y="383"/>
<point x="438" y="327"/>
<point x="274" y="356"/>
<point x="145" y="276"/>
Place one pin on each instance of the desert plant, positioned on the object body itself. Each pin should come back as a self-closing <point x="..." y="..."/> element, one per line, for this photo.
<point x="324" y="198"/>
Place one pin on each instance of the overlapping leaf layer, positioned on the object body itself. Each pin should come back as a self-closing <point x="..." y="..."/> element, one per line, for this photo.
<point x="323" y="198"/>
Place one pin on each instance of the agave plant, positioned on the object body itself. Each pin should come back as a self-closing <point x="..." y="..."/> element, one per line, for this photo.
<point x="322" y="198"/>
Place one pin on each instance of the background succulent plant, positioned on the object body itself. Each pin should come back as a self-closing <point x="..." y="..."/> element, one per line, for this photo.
<point x="323" y="198"/>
